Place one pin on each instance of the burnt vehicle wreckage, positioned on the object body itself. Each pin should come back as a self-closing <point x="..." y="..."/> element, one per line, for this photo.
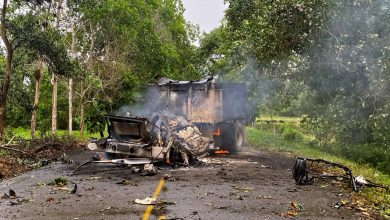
<point x="188" y="120"/>
<point x="305" y="166"/>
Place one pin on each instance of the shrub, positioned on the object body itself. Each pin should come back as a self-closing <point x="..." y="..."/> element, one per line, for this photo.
<point x="290" y="133"/>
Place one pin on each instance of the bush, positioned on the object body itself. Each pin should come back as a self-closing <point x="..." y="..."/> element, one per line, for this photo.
<point x="290" y="133"/>
<point x="374" y="154"/>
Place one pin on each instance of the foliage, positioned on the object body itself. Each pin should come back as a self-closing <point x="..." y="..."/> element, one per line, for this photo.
<point x="28" y="32"/>
<point x="142" y="40"/>
<point x="347" y="73"/>
<point x="290" y="133"/>
<point x="275" y="30"/>
<point x="328" y="60"/>
<point x="119" y="46"/>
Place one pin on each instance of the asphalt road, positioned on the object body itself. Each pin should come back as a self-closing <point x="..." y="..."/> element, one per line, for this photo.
<point x="251" y="185"/>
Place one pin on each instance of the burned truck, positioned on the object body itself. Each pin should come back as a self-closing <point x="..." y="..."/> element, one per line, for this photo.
<point x="185" y="120"/>
<point x="219" y="110"/>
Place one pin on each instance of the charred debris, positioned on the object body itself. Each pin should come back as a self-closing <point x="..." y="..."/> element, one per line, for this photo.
<point x="306" y="170"/>
<point x="182" y="122"/>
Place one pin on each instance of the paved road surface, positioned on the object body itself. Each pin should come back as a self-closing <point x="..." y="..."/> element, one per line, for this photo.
<point x="251" y="185"/>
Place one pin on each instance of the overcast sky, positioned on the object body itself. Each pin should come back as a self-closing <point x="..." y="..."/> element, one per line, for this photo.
<point x="207" y="13"/>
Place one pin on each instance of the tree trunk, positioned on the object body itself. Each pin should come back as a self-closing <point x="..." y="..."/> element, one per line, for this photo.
<point x="58" y="14"/>
<point x="4" y="92"/>
<point x="55" y="79"/>
<point x="70" y="100"/>
<point x="70" y="84"/>
<point x="82" y="89"/>
<point x="54" y="82"/>
<point x="82" y="108"/>
<point x="2" y="114"/>
<point x="7" y="76"/>
<point x="38" y="78"/>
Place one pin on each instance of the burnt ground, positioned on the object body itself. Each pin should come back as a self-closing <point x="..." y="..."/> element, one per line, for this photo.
<point x="250" y="185"/>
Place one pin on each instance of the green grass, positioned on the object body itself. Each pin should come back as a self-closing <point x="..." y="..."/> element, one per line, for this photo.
<point x="269" y="141"/>
<point x="279" y="118"/>
<point x="23" y="133"/>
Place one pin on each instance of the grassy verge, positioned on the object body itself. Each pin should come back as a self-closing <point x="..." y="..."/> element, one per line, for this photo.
<point x="270" y="141"/>
<point x="23" y="133"/>
<point x="279" y="118"/>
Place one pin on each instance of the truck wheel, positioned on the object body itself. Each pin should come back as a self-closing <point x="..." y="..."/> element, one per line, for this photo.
<point x="233" y="136"/>
<point x="299" y="171"/>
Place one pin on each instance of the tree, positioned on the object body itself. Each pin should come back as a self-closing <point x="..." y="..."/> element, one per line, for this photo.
<point x="26" y="31"/>
<point x="8" y="71"/>
<point x="117" y="60"/>
<point x="347" y="69"/>
<point x="336" y="51"/>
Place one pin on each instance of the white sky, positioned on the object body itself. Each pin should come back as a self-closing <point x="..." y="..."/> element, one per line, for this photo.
<point x="207" y="13"/>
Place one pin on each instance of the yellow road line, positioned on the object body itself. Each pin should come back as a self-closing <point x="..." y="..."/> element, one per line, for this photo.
<point x="149" y="209"/>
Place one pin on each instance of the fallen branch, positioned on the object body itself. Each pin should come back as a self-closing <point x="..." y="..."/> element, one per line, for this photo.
<point x="7" y="147"/>
<point x="10" y="141"/>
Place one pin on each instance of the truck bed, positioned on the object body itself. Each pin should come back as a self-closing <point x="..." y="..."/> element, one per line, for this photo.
<point x="204" y="101"/>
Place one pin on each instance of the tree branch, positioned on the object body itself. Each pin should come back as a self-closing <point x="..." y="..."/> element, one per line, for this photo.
<point x="7" y="147"/>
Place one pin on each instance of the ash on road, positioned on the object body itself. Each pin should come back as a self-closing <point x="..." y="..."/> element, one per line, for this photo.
<point x="250" y="185"/>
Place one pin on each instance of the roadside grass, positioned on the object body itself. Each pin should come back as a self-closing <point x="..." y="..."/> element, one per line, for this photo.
<point x="278" y="118"/>
<point x="275" y="141"/>
<point x="24" y="133"/>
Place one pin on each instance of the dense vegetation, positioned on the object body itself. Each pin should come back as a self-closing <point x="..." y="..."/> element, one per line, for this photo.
<point x="327" y="61"/>
<point x="78" y="60"/>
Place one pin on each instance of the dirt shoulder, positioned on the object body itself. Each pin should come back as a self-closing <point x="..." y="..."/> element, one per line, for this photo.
<point x="251" y="185"/>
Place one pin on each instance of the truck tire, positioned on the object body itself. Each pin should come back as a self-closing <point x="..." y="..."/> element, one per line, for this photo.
<point x="233" y="136"/>
<point x="299" y="171"/>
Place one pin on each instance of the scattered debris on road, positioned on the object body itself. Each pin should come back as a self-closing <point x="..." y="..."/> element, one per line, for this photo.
<point x="109" y="210"/>
<point x="264" y="197"/>
<point x="59" y="182"/>
<point x="162" y="203"/>
<point x="294" y="210"/>
<point x="12" y="193"/>
<point x="124" y="182"/>
<point x="146" y="201"/>
<point x="343" y="202"/>
<point x="301" y="171"/>
<point x="74" y="190"/>
<point x="243" y="189"/>
<point x="149" y="170"/>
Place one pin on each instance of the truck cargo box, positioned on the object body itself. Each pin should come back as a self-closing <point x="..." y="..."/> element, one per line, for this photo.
<point x="204" y="101"/>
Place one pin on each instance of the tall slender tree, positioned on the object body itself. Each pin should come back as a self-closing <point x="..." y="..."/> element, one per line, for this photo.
<point x="8" y="71"/>
<point x="54" y="79"/>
